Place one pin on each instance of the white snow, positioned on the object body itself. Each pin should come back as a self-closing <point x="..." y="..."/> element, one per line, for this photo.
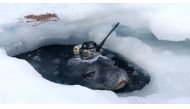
<point x="171" y="22"/>
<point x="169" y="70"/>
<point x="20" y="83"/>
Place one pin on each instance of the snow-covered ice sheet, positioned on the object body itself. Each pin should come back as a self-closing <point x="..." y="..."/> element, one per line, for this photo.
<point x="141" y="27"/>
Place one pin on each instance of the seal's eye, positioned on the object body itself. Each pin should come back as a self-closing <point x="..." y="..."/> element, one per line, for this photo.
<point x="89" y="75"/>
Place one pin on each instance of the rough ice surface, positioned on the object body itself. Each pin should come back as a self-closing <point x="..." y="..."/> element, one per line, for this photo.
<point x="155" y="37"/>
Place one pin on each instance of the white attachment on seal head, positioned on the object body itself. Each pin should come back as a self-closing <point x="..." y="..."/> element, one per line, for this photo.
<point x="77" y="60"/>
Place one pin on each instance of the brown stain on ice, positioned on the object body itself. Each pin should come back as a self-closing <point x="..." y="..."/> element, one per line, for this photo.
<point x="42" y="17"/>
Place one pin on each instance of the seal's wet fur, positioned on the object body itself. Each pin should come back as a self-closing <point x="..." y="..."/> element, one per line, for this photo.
<point x="51" y="62"/>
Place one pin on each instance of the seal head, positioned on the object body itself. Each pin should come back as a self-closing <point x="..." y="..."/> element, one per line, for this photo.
<point x="97" y="73"/>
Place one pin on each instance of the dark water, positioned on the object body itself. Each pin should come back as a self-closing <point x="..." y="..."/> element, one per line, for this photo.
<point x="47" y="61"/>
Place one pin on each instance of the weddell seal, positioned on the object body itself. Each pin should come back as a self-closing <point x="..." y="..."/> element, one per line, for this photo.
<point x="108" y="71"/>
<point x="87" y="64"/>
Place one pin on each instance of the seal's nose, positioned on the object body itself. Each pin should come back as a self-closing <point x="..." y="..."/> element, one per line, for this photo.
<point x="120" y="85"/>
<point x="121" y="82"/>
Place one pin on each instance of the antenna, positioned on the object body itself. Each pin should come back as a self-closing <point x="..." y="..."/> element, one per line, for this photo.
<point x="102" y="43"/>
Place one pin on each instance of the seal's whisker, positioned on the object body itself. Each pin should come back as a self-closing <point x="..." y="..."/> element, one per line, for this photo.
<point x="127" y="77"/>
<point x="129" y="80"/>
